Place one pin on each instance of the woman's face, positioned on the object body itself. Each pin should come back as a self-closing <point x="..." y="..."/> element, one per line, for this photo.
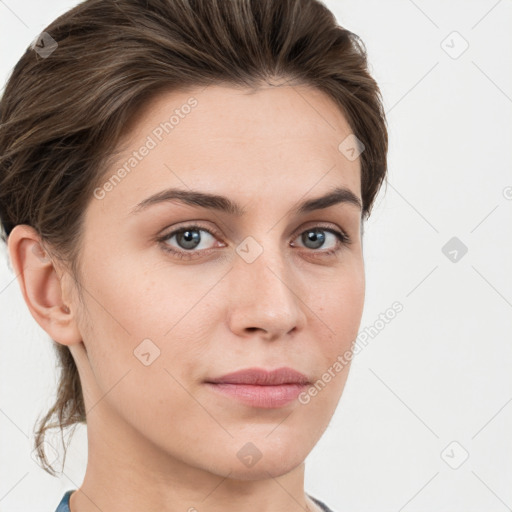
<point x="264" y="284"/>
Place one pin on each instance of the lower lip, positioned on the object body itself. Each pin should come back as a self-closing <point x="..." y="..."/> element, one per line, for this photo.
<point x="267" y="397"/>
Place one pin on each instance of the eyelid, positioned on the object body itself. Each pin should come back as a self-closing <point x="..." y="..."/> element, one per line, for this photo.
<point x="216" y="233"/>
<point x="181" y="253"/>
<point x="328" y="226"/>
<point x="190" y="225"/>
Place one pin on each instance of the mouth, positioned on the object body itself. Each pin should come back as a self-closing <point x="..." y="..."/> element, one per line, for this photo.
<point x="261" y="388"/>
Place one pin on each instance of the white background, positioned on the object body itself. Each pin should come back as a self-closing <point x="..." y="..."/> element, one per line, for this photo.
<point x="440" y="371"/>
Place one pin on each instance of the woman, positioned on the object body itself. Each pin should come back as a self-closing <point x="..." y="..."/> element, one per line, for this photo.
<point x="183" y="191"/>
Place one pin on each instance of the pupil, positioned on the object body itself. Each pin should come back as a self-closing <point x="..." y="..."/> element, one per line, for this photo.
<point x="317" y="237"/>
<point x="192" y="239"/>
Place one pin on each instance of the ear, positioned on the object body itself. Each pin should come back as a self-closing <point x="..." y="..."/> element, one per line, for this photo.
<point x="42" y="287"/>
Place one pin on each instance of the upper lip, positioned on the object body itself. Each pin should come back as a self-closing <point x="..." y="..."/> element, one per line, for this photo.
<point x="262" y="377"/>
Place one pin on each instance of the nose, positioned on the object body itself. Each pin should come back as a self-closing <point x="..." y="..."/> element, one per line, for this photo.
<point x="265" y="298"/>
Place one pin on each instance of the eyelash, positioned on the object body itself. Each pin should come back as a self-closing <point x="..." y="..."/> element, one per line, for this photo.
<point x="343" y="240"/>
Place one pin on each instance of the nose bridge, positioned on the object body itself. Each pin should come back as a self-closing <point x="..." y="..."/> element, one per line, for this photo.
<point x="263" y="295"/>
<point x="268" y="275"/>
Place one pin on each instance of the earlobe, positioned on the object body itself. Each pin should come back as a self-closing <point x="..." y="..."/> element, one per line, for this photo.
<point x="44" y="291"/>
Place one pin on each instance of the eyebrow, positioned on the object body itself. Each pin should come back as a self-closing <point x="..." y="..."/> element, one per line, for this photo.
<point x="338" y="195"/>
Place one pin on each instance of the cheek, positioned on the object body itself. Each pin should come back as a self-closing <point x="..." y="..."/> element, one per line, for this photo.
<point x="340" y="304"/>
<point x="340" y="309"/>
<point x="141" y="345"/>
<point x="134" y="301"/>
<point x="141" y="315"/>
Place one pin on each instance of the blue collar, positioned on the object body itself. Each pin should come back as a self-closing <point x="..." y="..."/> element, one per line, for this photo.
<point x="64" y="503"/>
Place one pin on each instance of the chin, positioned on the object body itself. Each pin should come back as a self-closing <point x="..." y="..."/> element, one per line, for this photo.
<point x="262" y="470"/>
<point x="252" y="463"/>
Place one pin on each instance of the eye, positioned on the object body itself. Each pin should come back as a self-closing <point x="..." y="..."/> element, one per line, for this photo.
<point x="320" y="237"/>
<point x="190" y="243"/>
<point x="188" y="239"/>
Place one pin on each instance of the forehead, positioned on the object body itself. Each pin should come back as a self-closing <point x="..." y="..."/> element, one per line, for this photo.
<point x="234" y="141"/>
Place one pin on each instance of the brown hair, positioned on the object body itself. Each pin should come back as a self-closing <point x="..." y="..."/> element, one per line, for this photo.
<point x="62" y="112"/>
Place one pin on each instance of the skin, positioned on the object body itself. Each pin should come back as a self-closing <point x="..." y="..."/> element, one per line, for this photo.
<point x="156" y="434"/>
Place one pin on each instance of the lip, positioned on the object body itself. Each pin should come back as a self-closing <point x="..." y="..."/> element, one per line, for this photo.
<point x="262" y="388"/>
